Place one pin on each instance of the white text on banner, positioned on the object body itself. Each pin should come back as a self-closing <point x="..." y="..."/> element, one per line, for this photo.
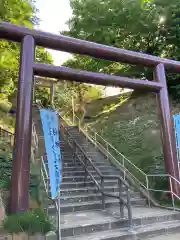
<point x="50" y="124"/>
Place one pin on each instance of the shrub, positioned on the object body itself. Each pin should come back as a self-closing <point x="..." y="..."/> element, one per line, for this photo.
<point x="6" y="172"/>
<point x="5" y="106"/>
<point x="5" y="169"/>
<point x="32" y="222"/>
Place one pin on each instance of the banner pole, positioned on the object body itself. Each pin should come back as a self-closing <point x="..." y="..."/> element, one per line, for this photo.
<point x="59" y="216"/>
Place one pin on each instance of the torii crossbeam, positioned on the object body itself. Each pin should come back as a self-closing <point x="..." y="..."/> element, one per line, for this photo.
<point x="28" y="68"/>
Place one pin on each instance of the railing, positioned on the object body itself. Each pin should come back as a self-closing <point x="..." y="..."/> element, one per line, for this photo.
<point x="45" y="179"/>
<point x="152" y="178"/>
<point x="34" y="148"/>
<point x="128" y="169"/>
<point x="6" y="136"/>
<point x="111" y="152"/>
<point x="44" y="175"/>
<point x="81" y="155"/>
<point x="34" y="136"/>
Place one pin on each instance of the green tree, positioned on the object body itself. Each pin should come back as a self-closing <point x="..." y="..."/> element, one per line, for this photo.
<point x="151" y="27"/>
<point x="42" y="56"/>
<point x="20" y="12"/>
<point x="81" y="93"/>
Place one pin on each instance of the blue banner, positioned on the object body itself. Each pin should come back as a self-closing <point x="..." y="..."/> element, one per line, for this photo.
<point x="177" y="132"/>
<point x="50" y="124"/>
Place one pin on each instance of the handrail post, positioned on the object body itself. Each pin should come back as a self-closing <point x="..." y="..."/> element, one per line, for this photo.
<point x="102" y="189"/>
<point x="74" y="155"/>
<point x="172" y="195"/>
<point x="79" y="124"/>
<point x="59" y="215"/>
<point x="129" y="209"/>
<point x="124" y="170"/>
<point x="147" y="186"/>
<point x="120" y="201"/>
<point x="123" y="162"/>
<point x="107" y="149"/>
<point x="95" y="136"/>
<point x="86" y="129"/>
<point x="85" y="171"/>
<point x="124" y="174"/>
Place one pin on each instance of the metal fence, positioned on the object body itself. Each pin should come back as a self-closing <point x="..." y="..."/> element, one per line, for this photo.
<point x="147" y="182"/>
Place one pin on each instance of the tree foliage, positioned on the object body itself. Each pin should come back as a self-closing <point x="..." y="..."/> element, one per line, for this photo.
<point x="68" y="93"/>
<point x="19" y="12"/>
<point x="148" y="26"/>
<point x="81" y="93"/>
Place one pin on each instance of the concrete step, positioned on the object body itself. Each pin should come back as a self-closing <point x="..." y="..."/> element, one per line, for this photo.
<point x="80" y="168"/>
<point x="97" y="164"/>
<point x="81" y="173"/>
<point x="79" y="184"/>
<point x="166" y="236"/>
<point x="137" y="234"/>
<point x="99" y="220"/>
<point x="75" y="191"/>
<point x="67" y="198"/>
<point x="90" y="205"/>
<point x="86" y="197"/>
<point x="81" y="178"/>
<point x="93" y="157"/>
<point x="91" y="190"/>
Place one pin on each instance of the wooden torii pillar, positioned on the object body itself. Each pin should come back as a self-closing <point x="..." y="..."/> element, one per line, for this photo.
<point x="29" y="39"/>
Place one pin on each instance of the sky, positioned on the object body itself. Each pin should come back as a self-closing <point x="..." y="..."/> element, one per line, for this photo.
<point x="53" y="16"/>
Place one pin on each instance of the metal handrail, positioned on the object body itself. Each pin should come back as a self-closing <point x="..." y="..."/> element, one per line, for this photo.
<point x="34" y="135"/>
<point x="170" y="178"/>
<point x="87" y="131"/>
<point x="93" y="139"/>
<point x="6" y="134"/>
<point x="75" y="146"/>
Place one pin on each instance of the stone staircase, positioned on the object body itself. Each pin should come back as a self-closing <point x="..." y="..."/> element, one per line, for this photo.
<point x="82" y="215"/>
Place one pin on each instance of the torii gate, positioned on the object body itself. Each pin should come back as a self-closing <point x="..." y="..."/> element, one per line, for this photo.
<point x="28" y="68"/>
<point x="45" y="83"/>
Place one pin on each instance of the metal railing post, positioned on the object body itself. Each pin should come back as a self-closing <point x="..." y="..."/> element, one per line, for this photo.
<point x="124" y="174"/>
<point x="107" y="149"/>
<point x="86" y="129"/>
<point x="172" y="195"/>
<point x="123" y="161"/>
<point x="120" y="201"/>
<point x="95" y="136"/>
<point x="102" y="189"/>
<point x="85" y="171"/>
<point x="147" y="187"/>
<point x="129" y="209"/>
<point x="79" y="125"/>
<point x="74" y="156"/>
<point x="59" y="216"/>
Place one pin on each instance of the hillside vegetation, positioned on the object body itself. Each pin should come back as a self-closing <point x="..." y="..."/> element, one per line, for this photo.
<point x="7" y="122"/>
<point x="130" y="122"/>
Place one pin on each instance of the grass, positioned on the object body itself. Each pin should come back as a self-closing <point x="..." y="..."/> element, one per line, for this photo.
<point x="131" y="124"/>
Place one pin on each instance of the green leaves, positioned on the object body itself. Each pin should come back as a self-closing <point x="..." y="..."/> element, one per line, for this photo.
<point x="32" y="222"/>
<point x="19" y="12"/>
<point x="147" y="26"/>
<point x="143" y="2"/>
